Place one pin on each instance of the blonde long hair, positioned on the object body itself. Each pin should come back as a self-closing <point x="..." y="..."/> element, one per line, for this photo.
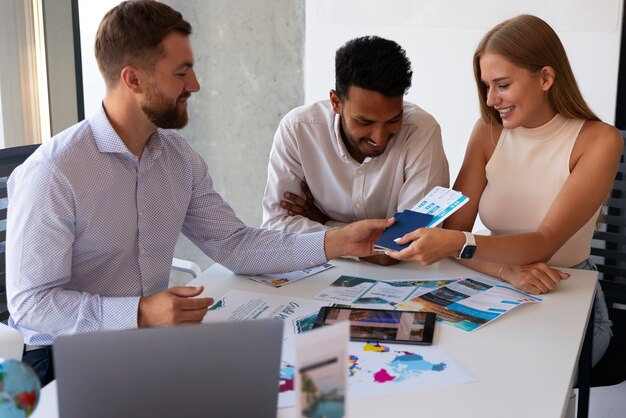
<point x="530" y="43"/>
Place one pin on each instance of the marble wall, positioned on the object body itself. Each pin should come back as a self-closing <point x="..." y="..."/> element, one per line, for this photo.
<point x="249" y="62"/>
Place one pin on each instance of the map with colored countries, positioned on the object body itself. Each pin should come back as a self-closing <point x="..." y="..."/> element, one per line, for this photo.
<point x="375" y="368"/>
<point x="404" y="365"/>
<point x="286" y="377"/>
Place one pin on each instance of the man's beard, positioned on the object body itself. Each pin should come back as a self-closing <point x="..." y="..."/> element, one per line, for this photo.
<point x="163" y="112"/>
<point x="356" y="143"/>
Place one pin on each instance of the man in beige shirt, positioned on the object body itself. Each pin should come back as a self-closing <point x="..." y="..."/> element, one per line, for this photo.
<point x="365" y="153"/>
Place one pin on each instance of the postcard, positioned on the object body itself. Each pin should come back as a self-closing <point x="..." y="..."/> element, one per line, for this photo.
<point x="321" y="365"/>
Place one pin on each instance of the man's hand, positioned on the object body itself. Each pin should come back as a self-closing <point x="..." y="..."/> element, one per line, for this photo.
<point x="381" y="260"/>
<point x="175" y="305"/>
<point x="304" y="206"/>
<point x="536" y="278"/>
<point x="356" y="239"/>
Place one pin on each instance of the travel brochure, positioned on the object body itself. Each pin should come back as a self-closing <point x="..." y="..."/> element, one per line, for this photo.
<point x="433" y="209"/>
<point x="237" y="305"/>
<point x="470" y="303"/>
<point x="282" y="279"/>
<point x="467" y="303"/>
<point x="372" y="368"/>
<point x="378" y="294"/>
<point x="380" y="368"/>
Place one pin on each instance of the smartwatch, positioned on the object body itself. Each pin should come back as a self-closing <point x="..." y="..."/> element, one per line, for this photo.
<point x="469" y="248"/>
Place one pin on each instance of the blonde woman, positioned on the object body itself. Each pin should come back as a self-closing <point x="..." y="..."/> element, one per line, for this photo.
<point x="538" y="166"/>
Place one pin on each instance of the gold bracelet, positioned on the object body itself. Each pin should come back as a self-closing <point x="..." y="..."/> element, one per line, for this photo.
<point x="500" y="272"/>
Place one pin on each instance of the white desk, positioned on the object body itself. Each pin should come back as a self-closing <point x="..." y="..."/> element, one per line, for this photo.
<point x="524" y="361"/>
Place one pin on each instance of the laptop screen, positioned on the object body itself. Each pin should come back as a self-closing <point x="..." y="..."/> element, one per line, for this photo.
<point x="206" y="370"/>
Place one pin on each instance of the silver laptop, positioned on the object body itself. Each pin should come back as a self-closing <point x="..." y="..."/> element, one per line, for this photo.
<point x="206" y="370"/>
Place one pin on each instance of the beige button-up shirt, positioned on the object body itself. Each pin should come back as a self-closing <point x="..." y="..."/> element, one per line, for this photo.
<point x="308" y="147"/>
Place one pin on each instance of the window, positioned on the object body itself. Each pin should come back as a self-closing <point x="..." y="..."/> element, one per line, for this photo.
<point x="39" y="92"/>
<point x="23" y="81"/>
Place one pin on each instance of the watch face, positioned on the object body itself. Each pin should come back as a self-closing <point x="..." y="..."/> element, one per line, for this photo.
<point x="468" y="251"/>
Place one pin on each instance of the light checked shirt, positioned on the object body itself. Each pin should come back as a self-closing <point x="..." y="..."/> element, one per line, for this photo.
<point x="91" y="228"/>
<point x="308" y="147"/>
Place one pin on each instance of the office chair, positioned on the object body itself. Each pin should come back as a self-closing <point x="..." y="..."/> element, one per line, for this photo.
<point x="9" y="159"/>
<point x="186" y="266"/>
<point x="608" y="251"/>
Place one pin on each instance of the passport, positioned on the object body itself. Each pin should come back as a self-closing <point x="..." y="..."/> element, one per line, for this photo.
<point x="406" y="221"/>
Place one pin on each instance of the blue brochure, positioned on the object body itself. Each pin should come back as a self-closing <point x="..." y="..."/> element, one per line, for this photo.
<point x="406" y="222"/>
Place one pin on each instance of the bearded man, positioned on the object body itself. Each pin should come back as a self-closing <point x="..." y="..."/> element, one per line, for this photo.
<point x="95" y="213"/>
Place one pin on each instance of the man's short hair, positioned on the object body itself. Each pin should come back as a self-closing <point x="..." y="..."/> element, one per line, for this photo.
<point x="131" y="34"/>
<point x="372" y="63"/>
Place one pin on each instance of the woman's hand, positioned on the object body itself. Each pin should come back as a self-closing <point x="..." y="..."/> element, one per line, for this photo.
<point x="536" y="278"/>
<point x="429" y="245"/>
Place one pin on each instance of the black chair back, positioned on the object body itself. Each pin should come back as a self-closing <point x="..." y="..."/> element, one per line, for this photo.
<point x="608" y="250"/>
<point x="9" y="159"/>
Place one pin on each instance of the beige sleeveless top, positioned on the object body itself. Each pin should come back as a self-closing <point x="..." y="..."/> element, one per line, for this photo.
<point x="524" y="175"/>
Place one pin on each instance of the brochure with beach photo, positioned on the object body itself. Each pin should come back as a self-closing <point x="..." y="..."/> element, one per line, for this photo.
<point x="470" y="303"/>
<point x="464" y="303"/>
